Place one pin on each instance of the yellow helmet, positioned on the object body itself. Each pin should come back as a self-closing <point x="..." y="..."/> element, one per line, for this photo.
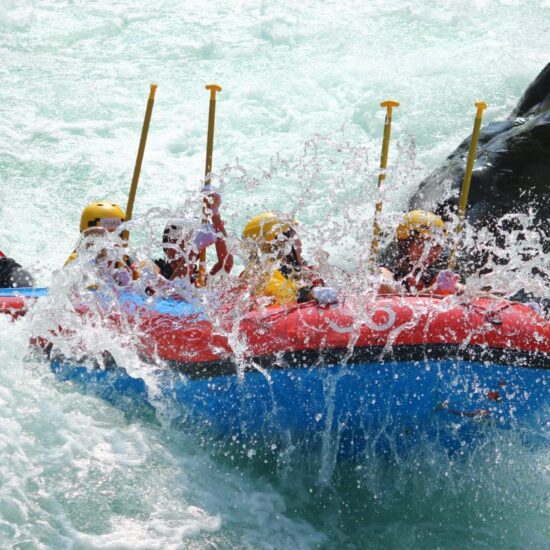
<point x="420" y="223"/>
<point x="103" y="214"/>
<point x="266" y="227"/>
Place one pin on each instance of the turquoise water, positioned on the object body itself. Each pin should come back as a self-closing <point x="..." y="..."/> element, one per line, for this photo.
<point x="298" y="128"/>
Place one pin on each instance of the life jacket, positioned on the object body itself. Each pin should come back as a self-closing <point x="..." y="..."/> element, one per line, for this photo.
<point x="290" y="282"/>
<point x="263" y="278"/>
<point x="304" y="276"/>
<point x="282" y="289"/>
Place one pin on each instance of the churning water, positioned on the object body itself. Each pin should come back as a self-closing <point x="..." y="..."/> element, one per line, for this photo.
<point x="298" y="129"/>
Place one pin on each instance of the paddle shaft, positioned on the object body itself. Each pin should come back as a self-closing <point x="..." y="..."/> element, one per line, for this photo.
<point x="214" y="88"/>
<point x="465" y="191"/>
<point x="389" y="104"/>
<point x="139" y="158"/>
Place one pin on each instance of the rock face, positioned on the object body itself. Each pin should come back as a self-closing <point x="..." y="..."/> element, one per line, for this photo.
<point x="512" y="171"/>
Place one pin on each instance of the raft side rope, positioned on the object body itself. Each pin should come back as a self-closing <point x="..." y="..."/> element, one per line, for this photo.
<point x="139" y="158"/>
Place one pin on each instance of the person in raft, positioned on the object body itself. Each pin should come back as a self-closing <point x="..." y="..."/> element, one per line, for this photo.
<point x="275" y="267"/>
<point x="183" y="243"/>
<point x="420" y="260"/>
<point x="12" y="275"/>
<point x="99" y="220"/>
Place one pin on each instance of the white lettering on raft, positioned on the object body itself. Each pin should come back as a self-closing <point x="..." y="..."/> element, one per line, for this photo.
<point x="369" y="322"/>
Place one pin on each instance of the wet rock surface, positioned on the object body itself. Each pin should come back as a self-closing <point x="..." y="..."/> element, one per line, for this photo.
<point x="512" y="171"/>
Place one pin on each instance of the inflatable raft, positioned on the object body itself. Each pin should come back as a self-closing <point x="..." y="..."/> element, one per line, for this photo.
<point x="362" y="375"/>
<point x="16" y="301"/>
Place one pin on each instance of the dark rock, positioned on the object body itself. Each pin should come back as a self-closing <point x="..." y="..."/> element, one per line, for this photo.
<point x="512" y="171"/>
<point x="12" y="275"/>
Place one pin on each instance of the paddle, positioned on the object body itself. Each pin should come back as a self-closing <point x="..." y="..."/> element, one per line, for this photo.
<point x="389" y="104"/>
<point x="214" y="88"/>
<point x="463" y="200"/>
<point x="139" y="158"/>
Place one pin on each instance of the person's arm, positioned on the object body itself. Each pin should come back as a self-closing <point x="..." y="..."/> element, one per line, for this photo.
<point x="388" y="285"/>
<point x="446" y="282"/>
<point x="225" y="259"/>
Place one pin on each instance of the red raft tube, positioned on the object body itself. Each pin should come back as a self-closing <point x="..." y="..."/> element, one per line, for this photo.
<point x="394" y="327"/>
<point x="16" y="301"/>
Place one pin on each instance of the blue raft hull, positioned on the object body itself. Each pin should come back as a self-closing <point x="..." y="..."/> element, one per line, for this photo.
<point x="353" y="409"/>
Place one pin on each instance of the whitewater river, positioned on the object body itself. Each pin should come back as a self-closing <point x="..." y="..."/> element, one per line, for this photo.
<point x="298" y="129"/>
